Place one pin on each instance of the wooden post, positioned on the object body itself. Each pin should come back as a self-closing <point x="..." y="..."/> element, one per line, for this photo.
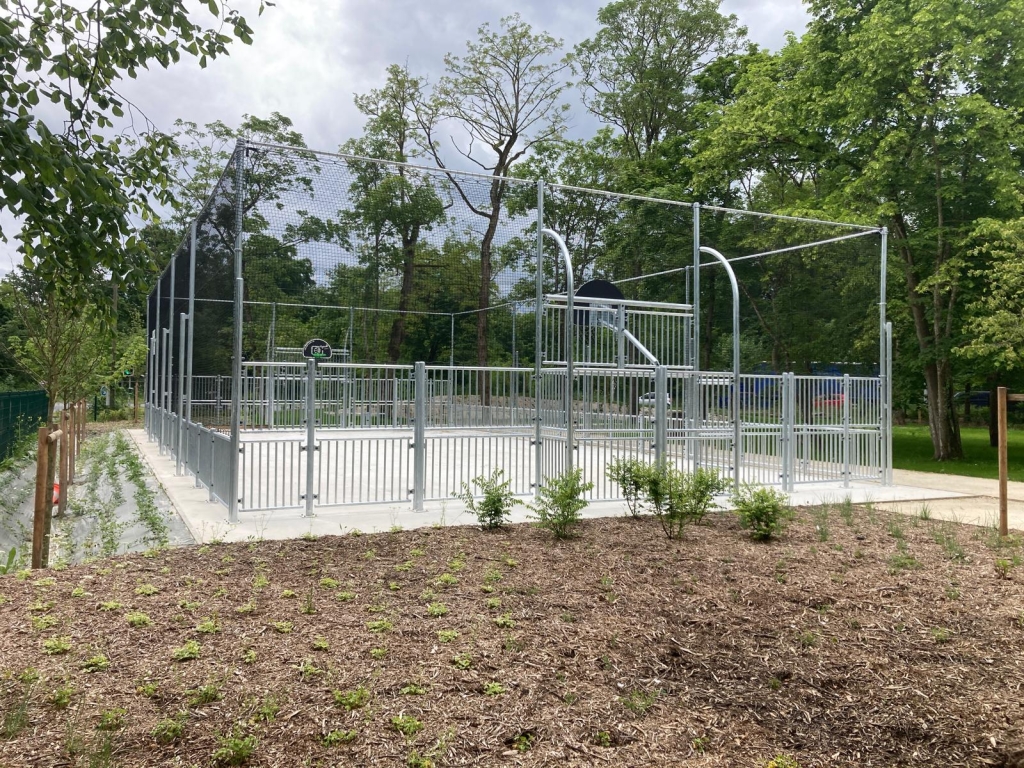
<point x="39" y="520"/>
<point x="1004" y="523"/>
<point x="72" y="445"/>
<point x="65" y="441"/>
<point x="51" y="471"/>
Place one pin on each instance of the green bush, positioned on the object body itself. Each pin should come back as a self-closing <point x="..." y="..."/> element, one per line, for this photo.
<point x="679" y="498"/>
<point x="633" y="478"/>
<point x="762" y="511"/>
<point x="560" y="502"/>
<point x="494" y="508"/>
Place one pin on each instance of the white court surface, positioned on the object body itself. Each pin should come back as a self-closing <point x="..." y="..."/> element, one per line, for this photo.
<point x="207" y="520"/>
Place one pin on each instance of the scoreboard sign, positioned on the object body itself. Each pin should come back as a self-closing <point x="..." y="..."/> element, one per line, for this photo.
<point x="317" y="349"/>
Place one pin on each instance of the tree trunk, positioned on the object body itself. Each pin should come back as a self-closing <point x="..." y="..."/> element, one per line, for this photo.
<point x="484" y="303"/>
<point x="408" y="272"/>
<point x="993" y="415"/>
<point x="942" y="419"/>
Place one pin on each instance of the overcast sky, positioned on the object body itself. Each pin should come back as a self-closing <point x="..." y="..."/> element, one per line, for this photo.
<point x="310" y="56"/>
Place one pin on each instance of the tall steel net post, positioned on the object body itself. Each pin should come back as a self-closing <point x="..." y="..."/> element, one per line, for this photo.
<point x="538" y="346"/>
<point x="236" y="362"/>
<point x="885" y="364"/>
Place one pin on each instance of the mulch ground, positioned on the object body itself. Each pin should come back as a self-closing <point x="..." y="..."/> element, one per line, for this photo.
<point x="864" y="639"/>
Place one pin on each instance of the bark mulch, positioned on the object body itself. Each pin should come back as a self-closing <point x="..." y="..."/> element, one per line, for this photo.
<point x="857" y="638"/>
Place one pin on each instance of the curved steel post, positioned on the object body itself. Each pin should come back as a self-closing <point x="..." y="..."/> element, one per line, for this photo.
<point x="736" y="447"/>
<point x="569" y="318"/>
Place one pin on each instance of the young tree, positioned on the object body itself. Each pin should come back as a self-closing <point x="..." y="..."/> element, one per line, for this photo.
<point x="505" y="95"/>
<point x="905" y="114"/>
<point x="393" y="203"/>
<point x="637" y="73"/>
<point x="61" y="344"/>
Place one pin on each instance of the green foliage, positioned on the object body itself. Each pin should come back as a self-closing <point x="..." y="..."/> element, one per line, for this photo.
<point x="436" y="610"/>
<point x="189" y="651"/>
<point x="138" y="619"/>
<point x="97" y="663"/>
<point x="678" y="498"/>
<point x="79" y="190"/>
<point x="494" y="689"/>
<point x="354" y="699"/>
<point x="169" y="730"/>
<point x="638" y="702"/>
<point x="560" y="502"/>
<point x="407" y="725"/>
<point x="763" y="511"/>
<point x="633" y="478"/>
<point x="56" y="646"/>
<point x="12" y="562"/>
<point x="493" y="509"/>
<point x="235" y="748"/>
<point x="447" y="635"/>
<point x="336" y="738"/>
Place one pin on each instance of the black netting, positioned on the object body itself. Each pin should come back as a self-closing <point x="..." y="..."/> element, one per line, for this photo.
<point x="392" y="263"/>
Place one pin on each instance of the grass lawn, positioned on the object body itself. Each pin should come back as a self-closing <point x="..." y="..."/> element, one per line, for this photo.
<point x="912" y="449"/>
<point x="858" y="638"/>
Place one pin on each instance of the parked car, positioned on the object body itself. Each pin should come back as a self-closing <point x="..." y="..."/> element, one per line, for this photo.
<point x="650" y="399"/>
<point x="831" y="400"/>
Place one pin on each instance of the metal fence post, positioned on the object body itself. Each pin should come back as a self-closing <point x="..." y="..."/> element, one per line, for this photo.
<point x="181" y="394"/>
<point x="165" y="397"/>
<point x="191" y="322"/>
<point x="887" y="414"/>
<point x="213" y="451"/>
<point x="846" y="430"/>
<point x="538" y="351"/>
<point x="660" y="414"/>
<point x="419" y="441"/>
<point x="236" y="362"/>
<point x="310" y="447"/>
<point x="786" y="435"/>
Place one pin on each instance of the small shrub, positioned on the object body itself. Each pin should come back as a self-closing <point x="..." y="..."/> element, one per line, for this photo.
<point x="447" y="635"/>
<point x="1003" y="568"/>
<point x="523" y="741"/>
<point x="446" y="580"/>
<point x="462" y="661"/>
<point x="346" y="597"/>
<point x="437" y="610"/>
<point x="268" y="710"/>
<point x="169" y="730"/>
<point x="493" y="509"/>
<point x="329" y="583"/>
<point x="187" y="652"/>
<point x="352" y="700"/>
<point x="494" y="689"/>
<point x="762" y="511"/>
<point x="111" y="605"/>
<point x="632" y="476"/>
<point x="111" y="720"/>
<point x="560" y="502"/>
<point x="97" y="663"/>
<point x="321" y="644"/>
<point x="679" y="498"/>
<point x="407" y="725"/>
<point x="61" y="697"/>
<point x="903" y="561"/>
<point x="412" y="689"/>
<point x="204" y="694"/>
<point x="249" y="657"/>
<point x="208" y="626"/>
<point x="505" y="621"/>
<point x="56" y="646"/>
<point x="782" y="761"/>
<point x="146" y="590"/>
<point x="416" y="760"/>
<point x="638" y="702"/>
<point x="336" y="738"/>
<point x="381" y="625"/>
<point x="378" y="653"/>
<point x="284" y="627"/>
<point x="235" y="749"/>
<point x="149" y="690"/>
<point x="138" y="619"/>
<point x="289" y="594"/>
<point x="494" y="603"/>
<point x="39" y="623"/>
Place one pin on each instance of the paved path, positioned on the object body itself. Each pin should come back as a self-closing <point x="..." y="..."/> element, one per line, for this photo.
<point x="966" y="500"/>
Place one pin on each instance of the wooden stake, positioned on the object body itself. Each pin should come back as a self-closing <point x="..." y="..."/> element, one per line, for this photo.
<point x="65" y="441"/>
<point x="72" y="446"/>
<point x="39" y="520"/>
<point x="1004" y="523"/>
<point x="51" y="472"/>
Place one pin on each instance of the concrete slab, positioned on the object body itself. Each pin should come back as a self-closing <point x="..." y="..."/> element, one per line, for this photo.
<point x="970" y="510"/>
<point x="207" y="520"/>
